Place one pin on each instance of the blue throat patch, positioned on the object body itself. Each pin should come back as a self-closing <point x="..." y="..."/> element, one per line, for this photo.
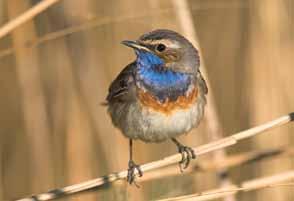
<point x="158" y="80"/>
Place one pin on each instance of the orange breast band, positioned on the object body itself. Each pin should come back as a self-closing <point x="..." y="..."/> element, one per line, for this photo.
<point x="167" y="107"/>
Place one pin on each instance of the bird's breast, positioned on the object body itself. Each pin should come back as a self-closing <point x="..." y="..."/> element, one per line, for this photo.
<point x="168" y="106"/>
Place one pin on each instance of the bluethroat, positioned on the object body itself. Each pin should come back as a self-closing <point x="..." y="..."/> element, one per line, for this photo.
<point x="160" y="95"/>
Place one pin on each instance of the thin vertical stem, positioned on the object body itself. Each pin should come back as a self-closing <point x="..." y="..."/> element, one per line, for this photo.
<point x="33" y="100"/>
<point x="214" y="127"/>
<point x="26" y="16"/>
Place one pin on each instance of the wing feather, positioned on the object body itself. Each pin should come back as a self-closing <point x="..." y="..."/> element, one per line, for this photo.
<point x="121" y="87"/>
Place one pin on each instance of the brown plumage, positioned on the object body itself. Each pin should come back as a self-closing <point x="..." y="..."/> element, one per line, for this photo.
<point x="159" y="96"/>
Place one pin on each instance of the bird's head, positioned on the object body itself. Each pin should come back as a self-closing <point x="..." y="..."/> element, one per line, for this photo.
<point x="168" y="47"/>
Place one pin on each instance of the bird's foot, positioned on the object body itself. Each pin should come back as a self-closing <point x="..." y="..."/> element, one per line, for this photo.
<point x="187" y="154"/>
<point x="133" y="167"/>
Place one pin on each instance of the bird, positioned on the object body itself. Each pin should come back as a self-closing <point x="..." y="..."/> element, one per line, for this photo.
<point x="159" y="96"/>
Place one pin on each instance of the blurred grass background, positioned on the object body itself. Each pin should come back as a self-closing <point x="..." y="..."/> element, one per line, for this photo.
<point x="53" y="132"/>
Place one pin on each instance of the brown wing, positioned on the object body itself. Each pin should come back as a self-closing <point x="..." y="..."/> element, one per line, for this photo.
<point x="122" y="87"/>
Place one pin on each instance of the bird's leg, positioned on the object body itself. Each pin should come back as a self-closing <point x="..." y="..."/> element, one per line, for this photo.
<point x="133" y="167"/>
<point x="187" y="154"/>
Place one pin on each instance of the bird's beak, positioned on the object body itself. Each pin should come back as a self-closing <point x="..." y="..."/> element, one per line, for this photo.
<point x="134" y="45"/>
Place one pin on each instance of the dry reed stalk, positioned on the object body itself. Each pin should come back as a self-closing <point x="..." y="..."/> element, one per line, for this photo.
<point x="73" y="130"/>
<point x="266" y="85"/>
<point x="56" y="57"/>
<point x="89" y="24"/>
<point x="90" y="61"/>
<point x="26" y="16"/>
<point x="250" y="185"/>
<point x="82" y="153"/>
<point x="228" y="162"/>
<point x="33" y="101"/>
<point x="204" y="149"/>
<point x="79" y="143"/>
<point x="214" y="127"/>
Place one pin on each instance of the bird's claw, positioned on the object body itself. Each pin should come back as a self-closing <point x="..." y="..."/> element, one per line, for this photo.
<point x="133" y="167"/>
<point x="187" y="154"/>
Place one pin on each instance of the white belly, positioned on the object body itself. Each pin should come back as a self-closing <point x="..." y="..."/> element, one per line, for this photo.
<point x="137" y="122"/>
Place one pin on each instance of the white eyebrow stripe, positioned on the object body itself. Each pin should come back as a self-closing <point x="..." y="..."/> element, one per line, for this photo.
<point x="174" y="45"/>
<point x="170" y="44"/>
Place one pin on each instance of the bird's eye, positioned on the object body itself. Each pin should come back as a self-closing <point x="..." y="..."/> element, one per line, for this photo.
<point x="160" y="47"/>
